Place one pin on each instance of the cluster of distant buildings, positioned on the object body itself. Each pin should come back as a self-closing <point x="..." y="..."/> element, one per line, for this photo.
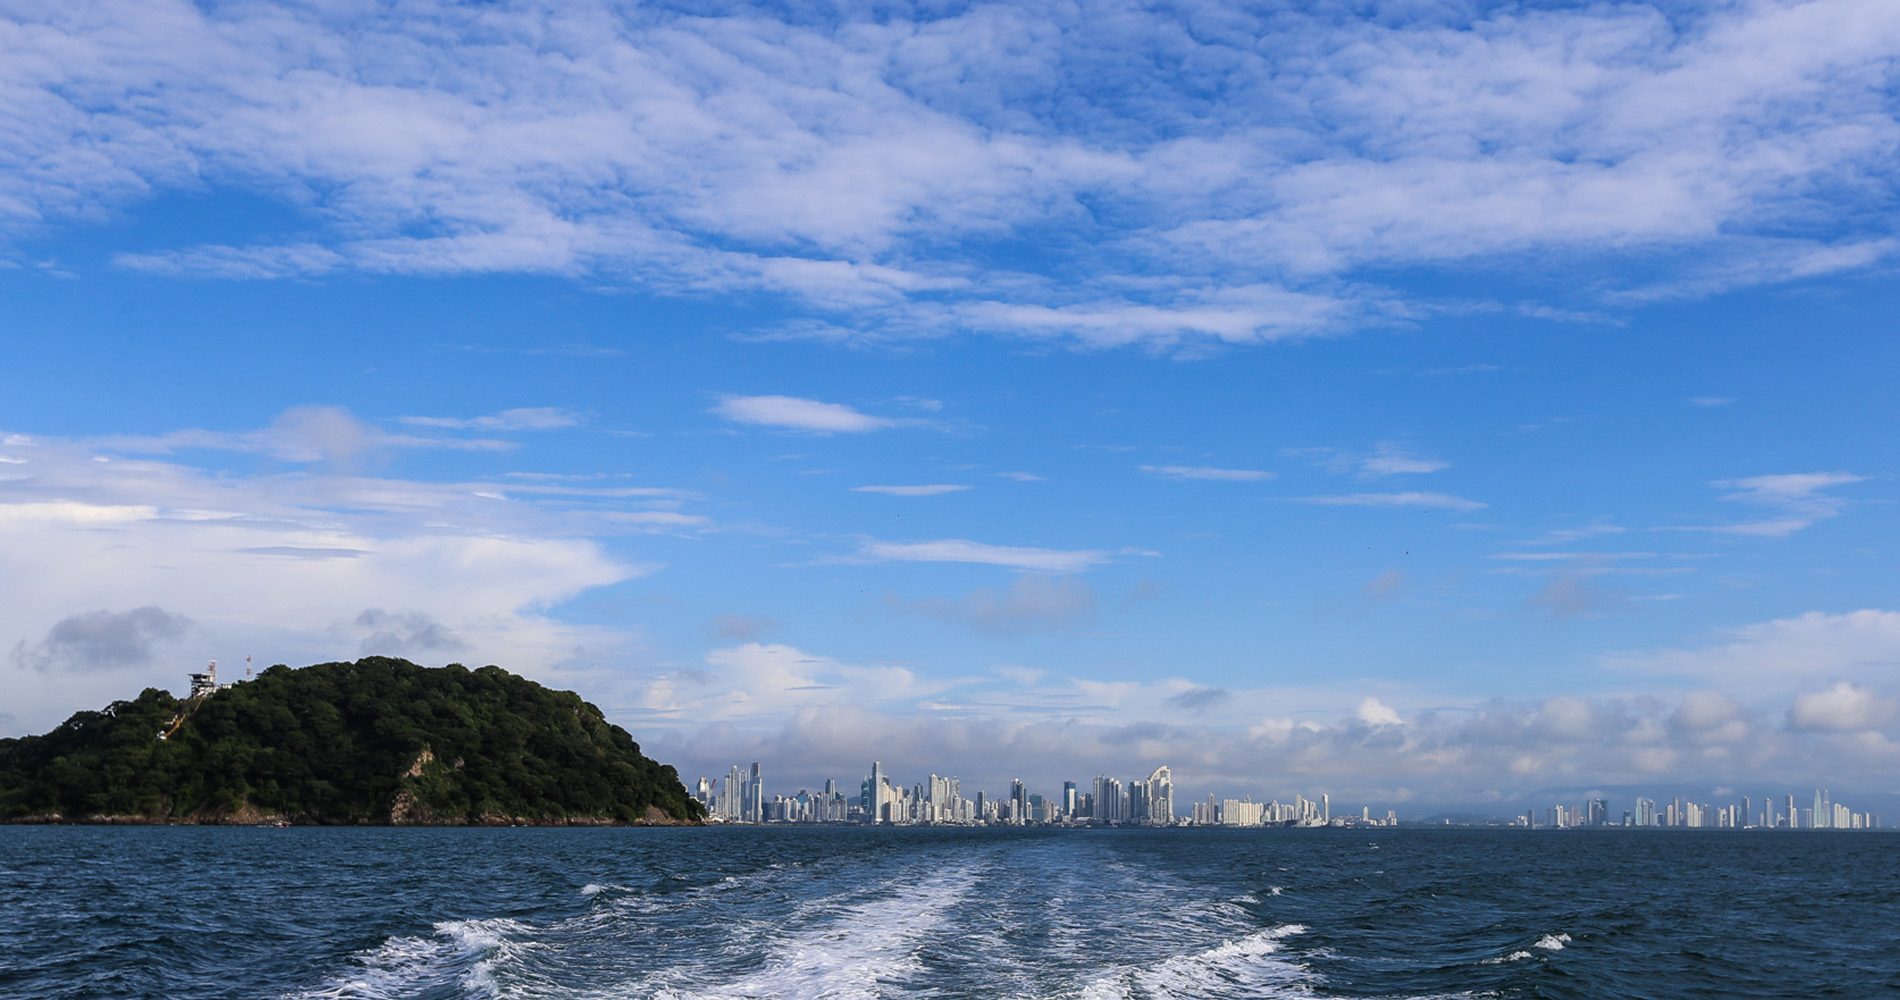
<point x="939" y="801"/>
<point x="740" y="797"/>
<point x="1824" y="814"/>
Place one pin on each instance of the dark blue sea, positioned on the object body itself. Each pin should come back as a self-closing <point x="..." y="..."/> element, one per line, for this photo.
<point x="176" y="912"/>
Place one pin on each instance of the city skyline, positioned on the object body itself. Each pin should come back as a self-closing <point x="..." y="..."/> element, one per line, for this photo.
<point x="1429" y="403"/>
<point x="1150" y="802"/>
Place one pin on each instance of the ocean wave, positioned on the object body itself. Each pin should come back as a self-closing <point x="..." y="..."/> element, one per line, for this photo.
<point x="1548" y="942"/>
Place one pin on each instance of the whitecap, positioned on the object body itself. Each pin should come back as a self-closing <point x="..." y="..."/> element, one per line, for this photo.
<point x="1516" y="956"/>
<point x="1552" y="942"/>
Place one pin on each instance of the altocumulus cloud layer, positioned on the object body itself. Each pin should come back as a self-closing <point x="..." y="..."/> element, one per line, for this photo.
<point x="1204" y="172"/>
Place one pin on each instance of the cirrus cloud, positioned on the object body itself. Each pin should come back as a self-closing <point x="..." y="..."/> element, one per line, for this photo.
<point x="529" y="418"/>
<point x="1207" y="473"/>
<point x="1442" y="501"/>
<point x="794" y="413"/>
<point x="929" y="490"/>
<point x="958" y="550"/>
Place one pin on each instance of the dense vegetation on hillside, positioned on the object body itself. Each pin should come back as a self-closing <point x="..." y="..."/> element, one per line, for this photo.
<point x="376" y="741"/>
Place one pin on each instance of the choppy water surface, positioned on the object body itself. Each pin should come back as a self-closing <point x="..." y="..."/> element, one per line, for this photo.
<point x="845" y="913"/>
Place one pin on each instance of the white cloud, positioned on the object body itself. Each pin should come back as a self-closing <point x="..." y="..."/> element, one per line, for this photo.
<point x="798" y="414"/>
<point x="292" y="567"/>
<point x="1391" y="460"/>
<point x="1205" y="472"/>
<point x="1798" y="499"/>
<point x="1044" y="728"/>
<point x="1710" y="717"/>
<point x="759" y="680"/>
<point x="963" y="551"/>
<point x="533" y="418"/>
<point x="1843" y="708"/>
<point x="931" y="490"/>
<point x="1443" y="501"/>
<point x="1256" y="313"/>
<point x="1374" y="712"/>
<point x="1774" y="655"/>
<point x="303" y="434"/>
<point x="861" y="164"/>
<point x="1566" y="536"/>
<point x="1798" y="489"/>
<point x="1597" y="558"/>
<point x="1387" y="459"/>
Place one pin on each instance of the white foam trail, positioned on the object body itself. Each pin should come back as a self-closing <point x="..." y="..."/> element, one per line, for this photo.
<point x="1516" y="956"/>
<point x="1244" y="967"/>
<point x="1552" y="942"/>
<point x="459" y="953"/>
<point x="857" y="952"/>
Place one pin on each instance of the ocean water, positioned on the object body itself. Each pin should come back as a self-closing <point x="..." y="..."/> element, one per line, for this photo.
<point x="170" y="912"/>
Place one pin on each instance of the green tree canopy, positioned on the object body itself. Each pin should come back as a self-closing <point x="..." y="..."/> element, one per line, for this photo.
<point x="376" y="741"/>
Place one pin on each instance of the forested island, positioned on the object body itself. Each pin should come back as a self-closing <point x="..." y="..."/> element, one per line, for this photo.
<point x="377" y="741"/>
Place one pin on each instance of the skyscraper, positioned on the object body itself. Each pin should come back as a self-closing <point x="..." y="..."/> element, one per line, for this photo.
<point x="732" y="798"/>
<point x="755" y="796"/>
<point x="1111" y="804"/>
<point x="1161" y="797"/>
<point x="875" y="796"/>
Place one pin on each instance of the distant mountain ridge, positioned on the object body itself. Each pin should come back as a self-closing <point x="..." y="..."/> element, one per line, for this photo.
<point x="377" y="741"/>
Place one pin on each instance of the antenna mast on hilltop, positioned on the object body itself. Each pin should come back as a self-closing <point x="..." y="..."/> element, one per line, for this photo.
<point x="247" y="666"/>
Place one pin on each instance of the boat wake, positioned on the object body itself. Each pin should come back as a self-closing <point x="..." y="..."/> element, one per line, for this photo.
<point x="962" y="924"/>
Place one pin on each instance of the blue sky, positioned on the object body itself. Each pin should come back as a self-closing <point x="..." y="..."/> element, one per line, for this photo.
<point x="1426" y="403"/>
